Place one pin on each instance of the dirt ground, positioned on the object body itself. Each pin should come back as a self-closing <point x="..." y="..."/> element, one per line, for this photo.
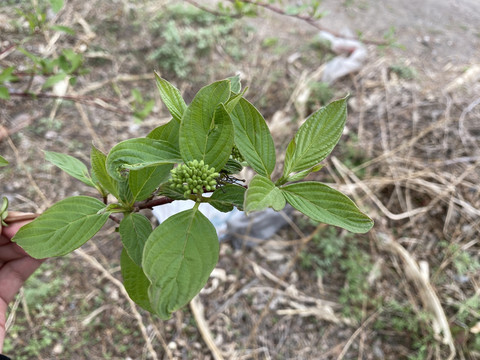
<point x="410" y="289"/>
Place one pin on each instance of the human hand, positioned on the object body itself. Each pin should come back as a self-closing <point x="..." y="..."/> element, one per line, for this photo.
<point x="15" y="267"/>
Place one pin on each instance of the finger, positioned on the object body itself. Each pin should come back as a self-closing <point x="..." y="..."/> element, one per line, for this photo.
<point x="13" y="274"/>
<point x="11" y="230"/>
<point x="11" y="251"/>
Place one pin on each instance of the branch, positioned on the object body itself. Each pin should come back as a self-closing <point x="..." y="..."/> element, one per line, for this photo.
<point x="149" y="204"/>
<point x="309" y="20"/>
<point x="213" y="12"/>
<point x="102" y="103"/>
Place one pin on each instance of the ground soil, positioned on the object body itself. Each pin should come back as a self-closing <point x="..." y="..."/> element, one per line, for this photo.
<point x="409" y="157"/>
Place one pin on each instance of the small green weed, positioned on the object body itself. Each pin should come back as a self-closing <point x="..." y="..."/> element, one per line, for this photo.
<point x="333" y="253"/>
<point x="410" y="325"/>
<point x="321" y="94"/>
<point x="187" y="34"/>
<point x="404" y="72"/>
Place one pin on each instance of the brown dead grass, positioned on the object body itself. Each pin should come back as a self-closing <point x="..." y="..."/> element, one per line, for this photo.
<point x="414" y="169"/>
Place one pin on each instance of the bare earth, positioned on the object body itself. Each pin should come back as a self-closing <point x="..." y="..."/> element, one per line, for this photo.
<point x="410" y="158"/>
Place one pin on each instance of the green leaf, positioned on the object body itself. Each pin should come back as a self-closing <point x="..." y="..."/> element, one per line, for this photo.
<point x="253" y="138"/>
<point x="322" y="203"/>
<point x="233" y="101"/>
<point x="135" y="281"/>
<point x="62" y="228"/>
<point x="4" y="93"/>
<point x="56" y="5"/>
<point x="3" y="161"/>
<point x="299" y="175"/>
<point x="316" y="138"/>
<point x="225" y="198"/>
<point x="178" y="258"/>
<point x="171" y="192"/>
<point x="263" y="193"/>
<point x="99" y="171"/>
<point x="171" y="97"/>
<point x="167" y="132"/>
<point x="206" y="131"/>
<point x="75" y="60"/>
<point x="134" y="230"/>
<point x="232" y="167"/>
<point x="61" y="28"/>
<point x="235" y="84"/>
<point x="54" y="79"/>
<point x="124" y="193"/>
<point x="144" y="181"/>
<point x="139" y="153"/>
<point x="70" y="165"/>
<point x="7" y="74"/>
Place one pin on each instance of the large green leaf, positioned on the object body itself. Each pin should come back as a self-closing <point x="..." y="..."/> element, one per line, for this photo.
<point x="225" y="198"/>
<point x="219" y="140"/>
<point x="263" y="193"/>
<point x="322" y="203"/>
<point x="3" y="161"/>
<point x="135" y="281"/>
<point x="316" y="138"/>
<point x="253" y="138"/>
<point x="72" y="166"/>
<point x="171" y="97"/>
<point x="144" y="181"/>
<point x="178" y="258"/>
<point x="134" y="230"/>
<point x="62" y="228"/>
<point x="99" y="171"/>
<point x="206" y="131"/>
<point x="167" y="132"/>
<point x="139" y="153"/>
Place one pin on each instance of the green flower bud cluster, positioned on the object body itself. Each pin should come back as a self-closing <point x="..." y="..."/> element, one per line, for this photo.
<point x="236" y="154"/>
<point x="193" y="177"/>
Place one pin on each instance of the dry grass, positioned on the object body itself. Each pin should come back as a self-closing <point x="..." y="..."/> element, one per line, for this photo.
<point x="410" y="159"/>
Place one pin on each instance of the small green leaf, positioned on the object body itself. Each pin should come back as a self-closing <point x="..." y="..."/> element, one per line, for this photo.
<point x="178" y="258"/>
<point x="171" y="97"/>
<point x="56" y="5"/>
<point x="253" y="138"/>
<point x="62" y="228"/>
<point x="99" y="171"/>
<point x="134" y="230"/>
<point x="4" y="93"/>
<point x="139" y="153"/>
<point x="235" y="84"/>
<point x="144" y="181"/>
<point x="316" y="138"/>
<point x="206" y="131"/>
<point x="263" y="193"/>
<point x="70" y="165"/>
<point x="233" y="101"/>
<point x="61" y="28"/>
<point x="7" y="74"/>
<point x="225" y="198"/>
<point x="322" y="203"/>
<point x="232" y="167"/>
<point x="3" y="161"/>
<point x="135" y="281"/>
<point x="124" y="193"/>
<point x="54" y="79"/>
<point x="299" y="175"/>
